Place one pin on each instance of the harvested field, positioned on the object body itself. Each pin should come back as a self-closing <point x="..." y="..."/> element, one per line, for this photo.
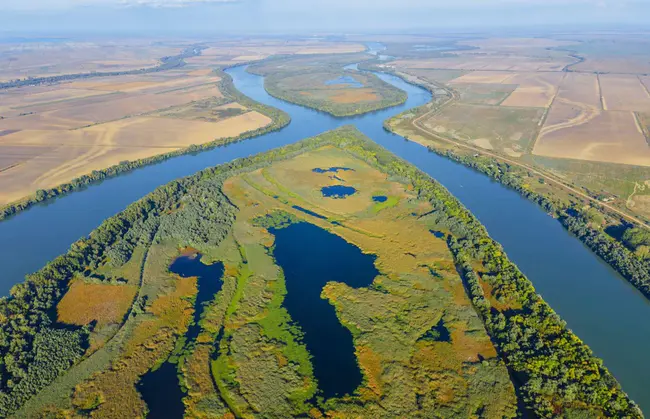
<point x="44" y="159"/>
<point x="510" y="130"/>
<point x="624" y="93"/>
<point x="484" y="93"/>
<point x="489" y="77"/>
<point x="580" y="88"/>
<point x="535" y="90"/>
<point x="39" y="59"/>
<point x="436" y="76"/>
<point x="132" y="105"/>
<point x="470" y="61"/>
<point x="621" y="65"/>
<point x="26" y="99"/>
<point x="605" y="136"/>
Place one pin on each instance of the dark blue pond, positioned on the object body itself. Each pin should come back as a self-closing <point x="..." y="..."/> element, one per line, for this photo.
<point x="347" y="81"/>
<point x="337" y="191"/>
<point x="598" y="305"/>
<point x="335" y="169"/>
<point x="160" y="389"/>
<point x="310" y="258"/>
<point x="380" y="198"/>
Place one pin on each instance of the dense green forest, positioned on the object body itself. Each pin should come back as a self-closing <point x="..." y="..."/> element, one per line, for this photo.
<point x="555" y="372"/>
<point x="628" y="257"/>
<point x="280" y="120"/>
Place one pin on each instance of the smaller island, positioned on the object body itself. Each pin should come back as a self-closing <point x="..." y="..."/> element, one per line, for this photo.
<point x="325" y="85"/>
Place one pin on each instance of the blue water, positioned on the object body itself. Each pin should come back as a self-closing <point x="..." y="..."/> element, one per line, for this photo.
<point x="160" y="389"/>
<point x="332" y="170"/>
<point x="306" y="251"/>
<point x="602" y="308"/>
<point x="347" y="81"/>
<point x="337" y="191"/>
<point x="380" y="198"/>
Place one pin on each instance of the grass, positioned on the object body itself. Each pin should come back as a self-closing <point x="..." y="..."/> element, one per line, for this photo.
<point x="389" y="203"/>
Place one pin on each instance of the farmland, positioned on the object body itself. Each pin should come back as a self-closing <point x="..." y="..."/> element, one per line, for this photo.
<point x="597" y="119"/>
<point x="436" y="325"/>
<point x="65" y="134"/>
<point x="52" y="133"/>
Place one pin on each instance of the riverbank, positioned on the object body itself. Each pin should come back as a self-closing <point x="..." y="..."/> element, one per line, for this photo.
<point x="573" y="209"/>
<point x="279" y="120"/>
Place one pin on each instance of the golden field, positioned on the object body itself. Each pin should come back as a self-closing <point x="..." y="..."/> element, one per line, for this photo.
<point x="588" y="116"/>
<point x="67" y="130"/>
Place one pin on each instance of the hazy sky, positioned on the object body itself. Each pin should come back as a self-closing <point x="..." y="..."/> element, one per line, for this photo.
<point x="286" y="16"/>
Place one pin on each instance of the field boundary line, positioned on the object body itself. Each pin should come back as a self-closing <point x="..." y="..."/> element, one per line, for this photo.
<point x="417" y="121"/>
<point x="603" y="102"/>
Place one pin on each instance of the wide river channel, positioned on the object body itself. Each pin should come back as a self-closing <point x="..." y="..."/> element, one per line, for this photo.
<point x="601" y="308"/>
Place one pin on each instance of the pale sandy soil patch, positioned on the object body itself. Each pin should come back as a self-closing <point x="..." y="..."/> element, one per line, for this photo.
<point x="473" y="61"/>
<point x="606" y="136"/>
<point x="624" y="93"/>
<point x="134" y="105"/>
<point x="200" y="72"/>
<point x="516" y="43"/>
<point x="57" y="95"/>
<point x="536" y="90"/>
<point x="484" y="143"/>
<point x="484" y="77"/>
<point x="625" y="65"/>
<point x="580" y="88"/>
<point x="44" y="159"/>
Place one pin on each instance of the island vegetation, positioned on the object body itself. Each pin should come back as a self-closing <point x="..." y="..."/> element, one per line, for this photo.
<point x="324" y="85"/>
<point x="448" y="328"/>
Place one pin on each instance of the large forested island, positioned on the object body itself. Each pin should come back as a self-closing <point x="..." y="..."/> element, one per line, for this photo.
<point x="327" y="278"/>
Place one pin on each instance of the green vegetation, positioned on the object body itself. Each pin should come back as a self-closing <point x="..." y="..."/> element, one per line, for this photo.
<point x="249" y="359"/>
<point x="323" y="85"/>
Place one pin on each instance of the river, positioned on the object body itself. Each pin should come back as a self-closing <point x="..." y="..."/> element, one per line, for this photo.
<point x="602" y="308"/>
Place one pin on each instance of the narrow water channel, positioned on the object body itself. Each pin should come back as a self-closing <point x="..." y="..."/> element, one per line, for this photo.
<point x="602" y="308"/>
<point x="160" y="389"/>
<point x="310" y="258"/>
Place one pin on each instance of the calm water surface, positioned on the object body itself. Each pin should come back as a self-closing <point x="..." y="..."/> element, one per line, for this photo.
<point x="604" y="310"/>
<point x="310" y="258"/>
<point x="160" y="389"/>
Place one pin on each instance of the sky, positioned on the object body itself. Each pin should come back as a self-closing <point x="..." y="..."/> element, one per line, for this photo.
<point x="159" y="17"/>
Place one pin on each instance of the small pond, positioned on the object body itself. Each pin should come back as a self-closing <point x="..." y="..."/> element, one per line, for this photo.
<point x="160" y="389"/>
<point x="337" y="191"/>
<point x="334" y="169"/>
<point x="380" y="198"/>
<point x="310" y="258"/>
<point x="348" y="81"/>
